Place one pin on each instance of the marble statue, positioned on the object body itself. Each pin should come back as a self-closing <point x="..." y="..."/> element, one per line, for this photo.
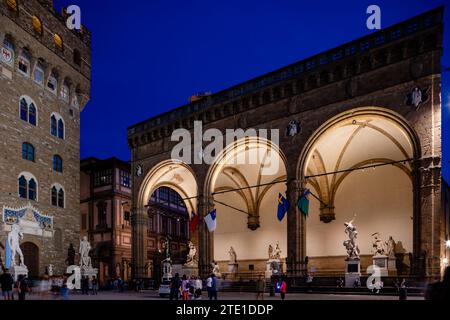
<point x="14" y="237"/>
<point x="85" y="248"/>
<point x="293" y="128"/>
<point x="390" y="244"/>
<point x="378" y="245"/>
<point x="277" y="254"/>
<point x="192" y="255"/>
<point x="70" y="255"/>
<point x="233" y="257"/>
<point x="50" y="270"/>
<point x="215" y="269"/>
<point x="350" y="245"/>
<point x="270" y="252"/>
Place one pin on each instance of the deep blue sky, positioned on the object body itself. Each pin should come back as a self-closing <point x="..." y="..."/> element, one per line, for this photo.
<point x="148" y="56"/>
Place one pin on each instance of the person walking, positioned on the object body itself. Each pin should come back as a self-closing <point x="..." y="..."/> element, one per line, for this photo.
<point x="23" y="287"/>
<point x="283" y="289"/>
<point x="309" y="281"/>
<point x="403" y="291"/>
<point x="214" y="287"/>
<point x="208" y="286"/>
<point x="198" y="288"/>
<point x="64" y="292"/>
<point x="7" y="282"/>
<point x="185" y="288"/>
<point x="440" y="291"/>
<point x="175" y="285"/>
<point x="260" y="287"/>
<point x="94" y="284"/>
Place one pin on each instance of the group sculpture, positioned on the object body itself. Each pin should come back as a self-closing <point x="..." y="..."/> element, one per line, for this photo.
<point x="192" y="260"/>
<point x="383" y="248"/>
<point x="351" y="245"/>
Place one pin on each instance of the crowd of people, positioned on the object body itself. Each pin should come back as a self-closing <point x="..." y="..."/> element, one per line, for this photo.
<point x="190" y="288"/>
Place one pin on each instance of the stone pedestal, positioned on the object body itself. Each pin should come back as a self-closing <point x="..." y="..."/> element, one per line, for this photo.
<point x="189" y="270"/>
<point x="381" y="261"/>
<point x="392" y="266"/>
<point x="352" y="272"/>
<point x="233" y="268"/>
<point x="89" y="272"/>
<point x="167" y="269"/>
<point x="273" y="267"/>
<point x="17" y="271"/>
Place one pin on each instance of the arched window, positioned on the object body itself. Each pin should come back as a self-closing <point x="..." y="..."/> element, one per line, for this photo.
<point x="57" y="163"/>
<point x="23" y="109"/>
<point x="58" y="196"/>
<point x="37" y="25"/>
<point x="27" y="151"/>
<point x="53" y="126"/>
<point x="24" y="62"/>
<point x="52" y="83"/>
<point x="28" y="110"/>
<point x="32" y="114"/>
<point x="23" y="187"/>
<point x="54" y="196"/>
<point x="60" y="129"/>
<point x="61" y="198"/>
<point x="32" y="189"/>
<point x="28" y="186"/>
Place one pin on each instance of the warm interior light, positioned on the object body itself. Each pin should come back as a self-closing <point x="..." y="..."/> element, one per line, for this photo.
<point x="445" y="260"/>
<point x="447" y="243"/>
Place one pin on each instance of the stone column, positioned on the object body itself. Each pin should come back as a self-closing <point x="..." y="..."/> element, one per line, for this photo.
<point x="205" y="238"/>
<point x="139" y="237"/>
<point x="296" y="231"/>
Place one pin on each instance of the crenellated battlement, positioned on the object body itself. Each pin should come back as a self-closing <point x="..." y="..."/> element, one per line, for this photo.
<point x="42" y="21"/>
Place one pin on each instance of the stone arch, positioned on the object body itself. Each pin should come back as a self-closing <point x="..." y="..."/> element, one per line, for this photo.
<point x="175" y="175"/>
<point x="363" y="137"/>
<point x="250" y="224"/>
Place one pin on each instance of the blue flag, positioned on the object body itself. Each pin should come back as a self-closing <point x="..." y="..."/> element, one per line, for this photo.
<point x="210" y="220"/>
<point x="283" y="207"/>
<point x="8" y="261"/>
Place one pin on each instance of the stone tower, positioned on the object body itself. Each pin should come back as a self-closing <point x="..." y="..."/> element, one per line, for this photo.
<point x="44" y="85"/>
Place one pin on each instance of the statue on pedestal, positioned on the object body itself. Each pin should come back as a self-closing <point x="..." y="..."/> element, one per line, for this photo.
<point x="378" y="245"/>
<point x="233" y="257"/>
<point x="350" y="245"/>
<point x="14" y="237"/>
<point x="390" y="244"/>
<point x="85" y="248"/>
<point x="277" y="254"/>
<point x="270" y="252"/>
<point x="215" y="269"/>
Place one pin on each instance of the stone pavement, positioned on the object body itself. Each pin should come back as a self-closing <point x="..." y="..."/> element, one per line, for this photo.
<point x="153" y="295"/>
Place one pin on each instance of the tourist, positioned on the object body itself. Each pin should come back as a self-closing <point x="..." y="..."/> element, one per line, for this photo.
<point x="214" y="287"/>
<point x="309" y="281"/>
<point x="403" y="291"/>
<point x="23" y="287"/>
<point x="208" y="286"/>
<point x="340" y="283"/>
<point x="198" y="288"/>
<point x="7" y="282"/>
<point x="260" y="287"/>
<point x="94" y="283"/>
<point x="64" y="292"/>
<point x="44" y="287"/>
<point x="175" y="285"/>
<point x="185" y="287"/>
<point x="440" y="291"/>
<point x="85" y="285"/>
<point x="283" y="289"/>
<point x="120" y="284"/>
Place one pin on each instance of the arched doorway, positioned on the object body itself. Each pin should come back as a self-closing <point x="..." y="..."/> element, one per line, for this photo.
<point x="31" y="258"/>
<point x="173" y="180"/>
<point x="245" y="182"/>
<point x="360" y="163"/>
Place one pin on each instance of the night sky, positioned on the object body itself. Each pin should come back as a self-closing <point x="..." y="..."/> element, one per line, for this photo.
<point x="149" y="56"/>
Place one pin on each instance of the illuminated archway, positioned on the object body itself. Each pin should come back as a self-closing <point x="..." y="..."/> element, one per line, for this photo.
<point x="244" y="182"/>
<point x="368" y="157"/>
<point x="172" y="174"/>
